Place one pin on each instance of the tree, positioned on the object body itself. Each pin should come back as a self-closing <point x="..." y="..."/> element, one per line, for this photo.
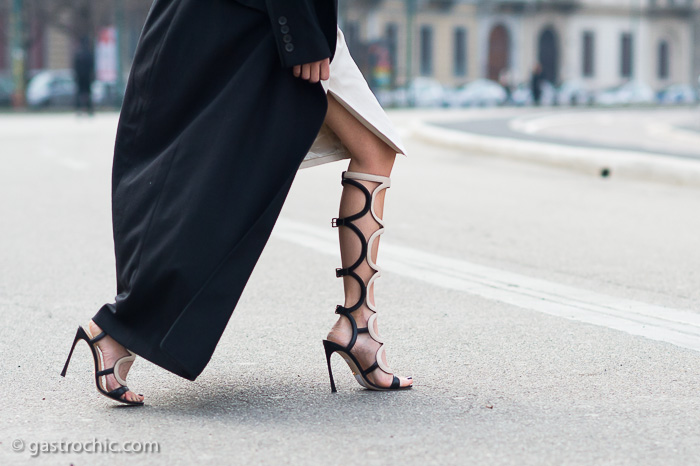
<point x="77" y="19"/>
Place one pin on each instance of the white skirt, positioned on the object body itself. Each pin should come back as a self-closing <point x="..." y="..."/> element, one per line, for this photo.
<point x="350" y="89"/>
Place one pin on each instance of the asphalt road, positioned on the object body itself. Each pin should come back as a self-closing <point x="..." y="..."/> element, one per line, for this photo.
<point x="547" y="317"/>
<point x="671" y="131"/>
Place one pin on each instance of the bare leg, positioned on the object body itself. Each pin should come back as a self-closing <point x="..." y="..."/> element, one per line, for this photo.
<point x="369" y="155"/>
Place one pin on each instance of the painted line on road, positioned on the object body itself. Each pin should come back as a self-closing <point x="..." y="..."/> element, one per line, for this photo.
<point x="681" y="328"/>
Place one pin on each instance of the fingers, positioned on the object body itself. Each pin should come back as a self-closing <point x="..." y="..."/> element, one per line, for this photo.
<point x="325" y="69"/>
<point x="306" y="71"/>
<point x="313" y="72"/>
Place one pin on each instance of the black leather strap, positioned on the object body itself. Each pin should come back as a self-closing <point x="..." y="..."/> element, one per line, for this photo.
<point x="370" y="368"/>
<point x="118" y="392"/>
<point x="105" y="372"/>
<point x="98" y="338"/>
<point x="396" y="383"/>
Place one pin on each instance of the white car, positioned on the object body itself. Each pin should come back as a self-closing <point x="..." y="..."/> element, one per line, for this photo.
<point x="58" y="88"/>
<point x="573" y="92"/>
<point x="632" y="92"/>
<point x="426" y="92"/>
<point x="678" y="94"/>
<point x="522" y="94"/>
<point x="481" y="92"/>
<point x="51" y="87"/>
<point x="385" y="97"/>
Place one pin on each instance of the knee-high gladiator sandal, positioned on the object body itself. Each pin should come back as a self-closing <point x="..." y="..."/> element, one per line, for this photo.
<point x="100" y="383"/>
<point x="353" y="178"/>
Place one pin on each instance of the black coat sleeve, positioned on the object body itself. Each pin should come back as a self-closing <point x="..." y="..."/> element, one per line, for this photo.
<point x="304" y="30"/>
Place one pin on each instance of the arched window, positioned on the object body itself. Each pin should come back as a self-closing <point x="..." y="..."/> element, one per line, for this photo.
<point x="588" y="55"/>
<point x="426" y="50"/>
<point x="4" y="34"/>
<point x="499" y="51"/>
<point x="548" y="54"/>
<point x="663" y="60"/>
<point x="460" y="52"/>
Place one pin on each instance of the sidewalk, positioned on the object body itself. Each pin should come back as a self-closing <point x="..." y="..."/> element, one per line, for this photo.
<point x="458" y="129"/>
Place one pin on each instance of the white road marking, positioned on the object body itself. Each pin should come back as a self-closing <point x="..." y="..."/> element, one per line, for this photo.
<point x="681" y="328"/>
<point x="73" y="164"/>
<point x="530" y="124"/>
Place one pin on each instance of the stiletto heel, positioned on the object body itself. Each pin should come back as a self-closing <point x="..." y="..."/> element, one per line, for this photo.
<point x="329" y="353"/>
<point x="353" y="178"/>
<point x="79" y="335"/>
<point x="116" y="394"/>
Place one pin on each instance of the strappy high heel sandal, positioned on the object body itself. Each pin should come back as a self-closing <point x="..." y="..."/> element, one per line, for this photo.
<point x="100" y="374"/>
<point x="353" y="178"/>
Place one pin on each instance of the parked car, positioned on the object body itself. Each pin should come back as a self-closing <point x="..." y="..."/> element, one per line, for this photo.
<point x="385" y="97"/>
<point x="106" y="94"/>
<point x="632" y="92"/>
<point x="51" y="88"/>
<point x="677" y="94"/>
<point x="522" y="94"/>
<point x="426" y="92"/>
<point x="478" y="93"/>
<point x="573" y="92"/>
<point x="7" y="87"/>
<point x="58" y="88"/>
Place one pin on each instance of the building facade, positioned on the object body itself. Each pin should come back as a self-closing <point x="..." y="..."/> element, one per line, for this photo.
<point x="601" y="43"/>
<point x="51" y="33"/>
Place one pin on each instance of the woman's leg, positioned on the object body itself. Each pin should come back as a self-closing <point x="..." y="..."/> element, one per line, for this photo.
<point x="369" y="155"/>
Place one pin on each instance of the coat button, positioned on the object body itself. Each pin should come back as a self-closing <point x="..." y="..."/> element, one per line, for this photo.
<point x="289" y="47"/>
<point x="282" y="20"/>
<point x="287" y="38"/>
<point x="284" y="29"/>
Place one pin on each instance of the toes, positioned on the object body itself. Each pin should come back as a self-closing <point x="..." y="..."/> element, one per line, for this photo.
<point x="132" y="397"/>
<point x="406" y="381"/>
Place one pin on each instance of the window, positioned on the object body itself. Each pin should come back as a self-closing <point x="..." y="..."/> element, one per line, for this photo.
<point x="426" y="50"/>
<point x="391" y="35"/>
<point x="352" y="36"/>
<point x="4" y="34"/>
<point x="663" y="66"/>
<point x="460" y="52"/>
<point x="588" y="54"/>
<point x="626" y="55"/>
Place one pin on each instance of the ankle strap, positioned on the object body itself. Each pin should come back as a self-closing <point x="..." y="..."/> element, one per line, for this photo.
<point x="368" y="177"/>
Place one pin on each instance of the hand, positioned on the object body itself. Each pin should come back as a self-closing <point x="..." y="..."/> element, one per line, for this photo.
<point x="313" y="72"/>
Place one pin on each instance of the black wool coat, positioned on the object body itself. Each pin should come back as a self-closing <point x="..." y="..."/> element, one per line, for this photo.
<point x="212" y="131"/>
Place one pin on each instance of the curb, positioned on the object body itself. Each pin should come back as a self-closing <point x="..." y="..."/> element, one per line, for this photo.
<point x="598" y="162"/>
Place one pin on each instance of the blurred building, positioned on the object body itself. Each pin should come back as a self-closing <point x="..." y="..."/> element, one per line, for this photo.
<point x="600" y="42"/>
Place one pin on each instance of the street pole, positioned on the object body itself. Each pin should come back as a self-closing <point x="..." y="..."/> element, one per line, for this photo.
<point x="410" y="16"/>
<point x="17" y="53"/>
<point x="119" y="19"/>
